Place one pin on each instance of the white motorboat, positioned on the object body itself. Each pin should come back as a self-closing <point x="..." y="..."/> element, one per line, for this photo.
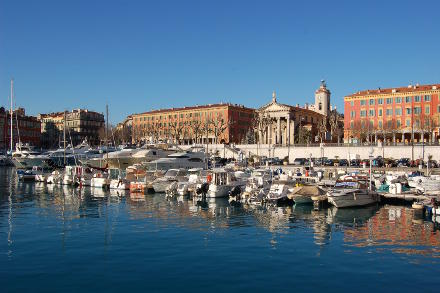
<point x="181" y="160"/>
<point x="222" y="182"/>
<point x="55" y="177"/>
<point x="279" y="190"/>
<point x="129" y="156"/>
<point x="100" y="180"/>
<point x="25" y="157"/>
<point x="196" y="177"/>
<point x="424" y="184"/>
<point x="41" y="174"/>
<point x="118" y="179"/>
<point x="352" y="193"/>
<point x="259" y="182"/>
<point x="161" y="184"/>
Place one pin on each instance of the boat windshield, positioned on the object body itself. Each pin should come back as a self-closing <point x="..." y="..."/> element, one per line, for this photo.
<point x="347" y="184"/>
<point x="172" y="173"/>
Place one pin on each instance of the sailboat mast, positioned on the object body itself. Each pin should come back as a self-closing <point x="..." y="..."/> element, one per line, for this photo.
<point x="106" y="133"/>
<point x="10" y="112"/>
<point x="64" y="136"/>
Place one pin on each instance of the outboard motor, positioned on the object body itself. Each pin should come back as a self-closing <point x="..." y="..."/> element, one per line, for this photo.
<point x="203" y="189"/>
<point x="235" y="191"/>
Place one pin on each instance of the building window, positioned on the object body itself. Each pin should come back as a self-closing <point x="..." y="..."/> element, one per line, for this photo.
<point x="380" y="101"/>
<point x="427" y="98"/>
<point x="389" y="100"/>
<point x="351" y="124"/>
<point x="426" y="109"/>
<point x="352" y="103"/>
<point x="398" y="100"/>
<point x="371" y="123"/>
<point x="380" y="124"/>
<point x="407" y="99"/>
<point x="398" y="111"/>
<point x="320" y="106"/>
<point x="417" y="99"/>
<point x="363" y="113"/>
<point x="408" y="123"/>
<point x="371" y="112"/>
<point x="417" y="110"/>
<point x="380" y="112"/>
<point x="438" y="109"/>
<point x="389" y="112"/>
<point x="353" y="114"/>
<point x="390" y="123"/>
<point x="408" y="111"/>
<point x="398" y="123"/>
<point x="363" y="102"/>
<point x="371" y="101"/>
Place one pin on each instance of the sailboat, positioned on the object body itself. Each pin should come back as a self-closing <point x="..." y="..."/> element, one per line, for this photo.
<point x="24" y="156"/>
<point x="101" y="179"/>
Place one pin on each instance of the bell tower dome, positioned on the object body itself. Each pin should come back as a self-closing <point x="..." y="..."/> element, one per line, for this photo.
<point x="322" y="99"/>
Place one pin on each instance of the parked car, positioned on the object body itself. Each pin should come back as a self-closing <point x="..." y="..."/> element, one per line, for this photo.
<point x="329" y="162"/>
<point x="274" y="161"/>
<point x="343" y="162"/>
<point x="403" y="162"/>
<point x="355" y="162"/>
<point x="299" y="161"/>
<point x="377" y="162"/>
<point x="316" y="161"/>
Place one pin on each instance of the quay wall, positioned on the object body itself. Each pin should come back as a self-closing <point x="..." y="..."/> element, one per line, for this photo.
<point x="343" y="152"/>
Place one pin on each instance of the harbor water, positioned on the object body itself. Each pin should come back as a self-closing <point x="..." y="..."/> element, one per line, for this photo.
<point x="63" y="239"/>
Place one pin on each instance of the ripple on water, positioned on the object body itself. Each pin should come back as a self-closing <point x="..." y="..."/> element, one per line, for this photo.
<point x="59" y="238"/>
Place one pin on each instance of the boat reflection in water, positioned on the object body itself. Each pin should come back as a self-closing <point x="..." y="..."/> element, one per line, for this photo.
<point x="394" y="228"/>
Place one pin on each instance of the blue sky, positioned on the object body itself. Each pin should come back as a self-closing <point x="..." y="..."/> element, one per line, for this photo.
<point x="143" y="55"/>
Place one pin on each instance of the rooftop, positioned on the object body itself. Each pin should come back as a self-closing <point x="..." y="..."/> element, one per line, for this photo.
<point x="409" y="89"/>
<point x="196" y="107"/>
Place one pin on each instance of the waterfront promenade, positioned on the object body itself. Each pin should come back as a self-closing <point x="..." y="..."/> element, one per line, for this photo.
<point x="330" y="151"/>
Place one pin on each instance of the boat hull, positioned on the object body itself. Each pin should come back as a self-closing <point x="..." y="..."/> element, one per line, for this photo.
<point x="354" y="200"/>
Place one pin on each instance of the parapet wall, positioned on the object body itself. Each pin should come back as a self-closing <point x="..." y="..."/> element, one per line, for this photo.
<point x="342" y="152"/>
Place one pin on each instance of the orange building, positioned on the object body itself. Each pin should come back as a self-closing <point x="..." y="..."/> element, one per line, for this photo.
<point x="213" y="123"/>
<point x="394" y="115"/>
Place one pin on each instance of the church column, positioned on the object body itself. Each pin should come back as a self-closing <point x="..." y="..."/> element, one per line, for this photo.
<point x="278" y="141"/>
<point x="288" y="131"/>
<point x="292" y="132"/>
<point x="269" y="132"/>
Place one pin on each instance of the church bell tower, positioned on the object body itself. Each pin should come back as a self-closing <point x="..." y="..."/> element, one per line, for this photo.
<point x="322" y="99"/>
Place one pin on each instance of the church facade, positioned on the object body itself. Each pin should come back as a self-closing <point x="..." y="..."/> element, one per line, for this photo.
<point x="283" y="124"/>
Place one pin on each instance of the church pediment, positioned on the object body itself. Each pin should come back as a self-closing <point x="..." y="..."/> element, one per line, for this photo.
<point x="274" y="107"/>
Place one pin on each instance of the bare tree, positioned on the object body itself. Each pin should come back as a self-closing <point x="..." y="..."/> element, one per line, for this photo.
<point x="197" y="131"/>
<point x="176" y="129"/>
<point x="322" y="128"/>
<point x="219" y="126"/>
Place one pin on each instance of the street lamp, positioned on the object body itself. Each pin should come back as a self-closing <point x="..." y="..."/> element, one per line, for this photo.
<point x="322" y="153"/>
<point x="371" y="151"/>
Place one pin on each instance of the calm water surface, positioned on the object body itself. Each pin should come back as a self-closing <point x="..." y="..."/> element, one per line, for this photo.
<point x="55" y="238"/>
